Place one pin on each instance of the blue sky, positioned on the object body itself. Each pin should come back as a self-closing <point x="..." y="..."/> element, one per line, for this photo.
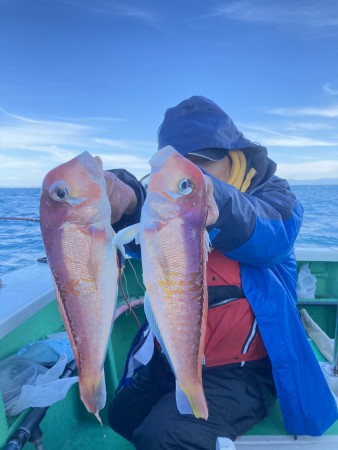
<point x="98" y="75"/>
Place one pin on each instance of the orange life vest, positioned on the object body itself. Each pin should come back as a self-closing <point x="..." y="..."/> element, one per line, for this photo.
<point x="232" y="334"/>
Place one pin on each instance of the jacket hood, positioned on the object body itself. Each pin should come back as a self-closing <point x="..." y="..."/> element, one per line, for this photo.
<point x="198" y="123"/>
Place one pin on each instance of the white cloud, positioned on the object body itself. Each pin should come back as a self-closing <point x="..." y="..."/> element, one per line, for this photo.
<point x="330" y="112"/>
<point x="329" y="90"/>
<point x="308" y="126"/>
<point x="28" y="172"/>
<point x="304" y="14"/>
<point x="114" y="10"/>
<point x="22" y="172"/>
<point x="297" y="141"/>
<point x="308" y="170"/>
<point x="125" y="144"/>
<point x="29" y="148"/>
<point x="302" y="150"/>
<point x="138" y="166"/>
<point x="270" y="135"/>
<point x="19" y="132"/>
<point x="23" y="133"/>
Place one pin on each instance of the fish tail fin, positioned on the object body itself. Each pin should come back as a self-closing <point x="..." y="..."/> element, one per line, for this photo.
<point x="191" y="400"/>
<point x="93" y="395"/>
<point x="97" y="415"/>
<point x="199" y="404"/>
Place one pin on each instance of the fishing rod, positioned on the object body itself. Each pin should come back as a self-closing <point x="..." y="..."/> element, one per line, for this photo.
<point x="28" y="219"/>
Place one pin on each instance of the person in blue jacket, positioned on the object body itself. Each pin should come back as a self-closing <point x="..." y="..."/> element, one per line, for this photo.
<point x="256" y="347"/>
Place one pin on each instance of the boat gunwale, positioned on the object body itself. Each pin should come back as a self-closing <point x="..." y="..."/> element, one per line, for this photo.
<point x="26" y="291"/>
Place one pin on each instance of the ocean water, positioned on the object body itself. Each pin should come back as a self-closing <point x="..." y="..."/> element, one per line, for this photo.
<point x="21" y="243"/>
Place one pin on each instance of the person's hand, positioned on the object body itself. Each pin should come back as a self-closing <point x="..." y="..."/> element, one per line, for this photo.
<point x="122" y="197"/>
<point x="213" y="211"/>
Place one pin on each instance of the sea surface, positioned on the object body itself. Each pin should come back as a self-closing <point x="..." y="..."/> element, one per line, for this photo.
<point x="21" y="243"/>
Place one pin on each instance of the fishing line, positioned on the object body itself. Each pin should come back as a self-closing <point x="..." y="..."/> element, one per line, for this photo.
<point x="136" y="277"/>
<point x="28" y="219"/>
<point x="125" y="284"/>
<point x="127" y="301"/>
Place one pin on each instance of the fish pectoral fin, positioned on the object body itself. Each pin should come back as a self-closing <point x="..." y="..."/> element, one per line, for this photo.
<point x="125" y="236"/>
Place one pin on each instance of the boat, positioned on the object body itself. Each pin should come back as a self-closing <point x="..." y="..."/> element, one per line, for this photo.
<point x="29" y="313"/>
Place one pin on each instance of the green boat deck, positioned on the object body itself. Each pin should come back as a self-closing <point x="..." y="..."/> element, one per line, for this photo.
<point x="68" y="425"/>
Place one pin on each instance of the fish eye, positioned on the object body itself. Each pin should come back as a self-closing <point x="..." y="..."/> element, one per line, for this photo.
<point x="186" y="186"/>
<point x="59" y="192"/>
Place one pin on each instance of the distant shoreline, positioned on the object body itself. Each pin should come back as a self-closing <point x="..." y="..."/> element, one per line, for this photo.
<point x="321" y="181"/>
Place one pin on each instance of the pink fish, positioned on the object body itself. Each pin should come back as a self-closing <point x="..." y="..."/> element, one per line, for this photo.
<point x="77" y="234"/>
<point x="174" y="247"/>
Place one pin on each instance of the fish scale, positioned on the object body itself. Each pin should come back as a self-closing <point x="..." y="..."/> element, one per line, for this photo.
<point x="173" y="245"/>
<point x="174" y="248"/>
<point x="77" y="235"/>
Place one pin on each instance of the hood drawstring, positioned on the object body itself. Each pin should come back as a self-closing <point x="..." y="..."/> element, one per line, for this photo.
<point x="238" y="171"/>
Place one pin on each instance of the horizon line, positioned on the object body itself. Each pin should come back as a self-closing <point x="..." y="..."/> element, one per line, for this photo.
<point x="314" y="180"/>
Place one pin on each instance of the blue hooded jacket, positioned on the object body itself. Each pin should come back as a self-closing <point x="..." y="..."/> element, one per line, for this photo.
<point x="258" y="228"/>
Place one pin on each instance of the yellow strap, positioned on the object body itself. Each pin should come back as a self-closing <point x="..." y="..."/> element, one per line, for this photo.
<point x="238" y="171"/>
<point x="245" y="186"/>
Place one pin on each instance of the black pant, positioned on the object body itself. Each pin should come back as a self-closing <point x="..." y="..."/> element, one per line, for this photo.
<point x="145" y="412"/>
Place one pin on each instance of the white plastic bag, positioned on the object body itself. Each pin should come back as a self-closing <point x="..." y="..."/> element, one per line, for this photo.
<point x="306" y="283"/>
<point x="48" y="351"/>
<point x="319" y="337"/>
<point x="25" y="383"/>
